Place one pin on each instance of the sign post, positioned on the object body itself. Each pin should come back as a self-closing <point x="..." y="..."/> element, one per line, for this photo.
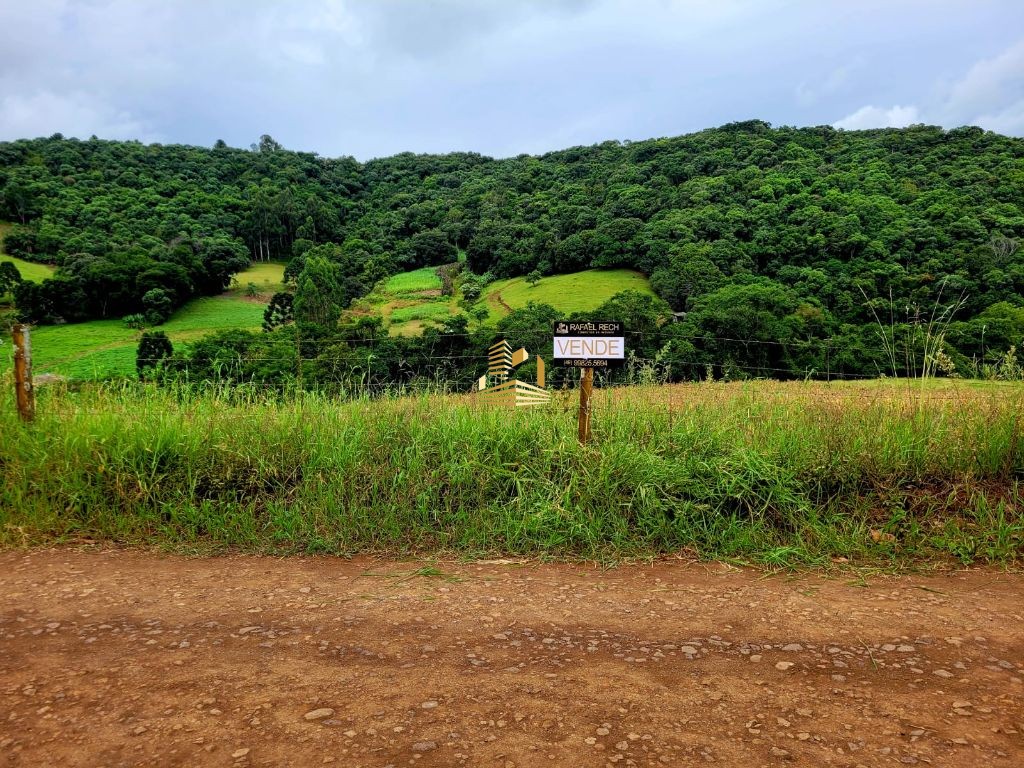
<point x="586" y="389"/>
<point x="23" y="372"/>
<point x="589" y="345"/>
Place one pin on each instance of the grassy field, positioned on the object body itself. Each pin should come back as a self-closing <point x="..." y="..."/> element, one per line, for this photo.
<point x="574" y="292"/>
<point x="27" y="269"/>
<point x="101" y="349"/>
<point x="408" y="301"/>
<point x="785" y="475"/>
<point x="418" y="280"/>
<point x="106" y="348"/>
<point x="268" y="277"/>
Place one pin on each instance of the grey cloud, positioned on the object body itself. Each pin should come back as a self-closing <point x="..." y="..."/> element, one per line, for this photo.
<point x="423" y="29"/>
<point x="23" y="114"/>
<point x="374" y="77"/>
<point x="878" y="117"/>
<point x="989" y="94"/>
<point x="989" y="82"/>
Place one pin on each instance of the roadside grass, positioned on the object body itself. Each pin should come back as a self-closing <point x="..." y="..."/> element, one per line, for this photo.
<point x="930" y="384"/>
<point x="574" y="292"/>
<point x="784" y="475"/>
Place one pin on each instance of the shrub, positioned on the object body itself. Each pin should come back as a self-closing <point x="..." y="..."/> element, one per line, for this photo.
<point x="154" y="348"/>
<point x="279" y="311"/>
<point x="136" y="321"/>
<point x="158" y="305"/>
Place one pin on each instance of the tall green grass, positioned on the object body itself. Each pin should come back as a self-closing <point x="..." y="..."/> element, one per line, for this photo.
<point x="424" y="279"/>
<point x="784" y="474"/>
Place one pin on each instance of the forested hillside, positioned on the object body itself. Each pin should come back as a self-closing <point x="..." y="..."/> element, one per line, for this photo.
<point x="757" y="234"/>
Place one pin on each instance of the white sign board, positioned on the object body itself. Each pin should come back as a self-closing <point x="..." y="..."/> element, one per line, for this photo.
<point x="590" y="344"/>
<point x="591" y="347"/>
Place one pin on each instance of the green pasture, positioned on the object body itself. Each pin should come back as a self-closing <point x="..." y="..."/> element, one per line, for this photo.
<point x="573" y="292"/>
<point x="29" y="270"/>
<point x="267" y="276"/>
<point x="425" y="279"/>
<point x="408" y="301"/>
<point x="106" y="348"/>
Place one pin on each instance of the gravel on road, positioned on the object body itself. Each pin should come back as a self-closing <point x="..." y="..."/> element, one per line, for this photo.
<point x="131" y="658"/>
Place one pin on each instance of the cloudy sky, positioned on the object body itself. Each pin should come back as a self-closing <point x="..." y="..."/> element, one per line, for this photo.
<point x="373" y="77"/>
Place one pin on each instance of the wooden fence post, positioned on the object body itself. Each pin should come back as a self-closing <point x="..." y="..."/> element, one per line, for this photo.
<point x="23" y="372"/>
<point x="586" y="389"/>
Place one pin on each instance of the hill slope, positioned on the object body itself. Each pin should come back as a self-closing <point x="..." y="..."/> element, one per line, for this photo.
<point x="100" y="349"/>
<point x="406" y="302"/>
<point x="411" y="301"/>
<point x="574" y="292"/>
<point x="738" y="226"/>
<point x="29" y="270"/>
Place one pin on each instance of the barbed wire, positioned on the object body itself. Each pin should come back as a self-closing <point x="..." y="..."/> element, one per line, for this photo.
<point x="427" y="362"/>
<point x="420" y="372"/>
<point x="437" y="361"/>
<point x="830" y="342"/>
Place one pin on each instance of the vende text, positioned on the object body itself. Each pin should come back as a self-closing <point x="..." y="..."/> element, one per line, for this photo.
<point x="604" y="347"/>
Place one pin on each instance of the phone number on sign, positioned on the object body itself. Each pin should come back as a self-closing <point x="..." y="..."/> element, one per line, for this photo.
<point x="584" y="363"/>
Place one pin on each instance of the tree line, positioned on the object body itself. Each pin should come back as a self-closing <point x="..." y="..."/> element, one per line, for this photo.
<point x="750" y="234"/>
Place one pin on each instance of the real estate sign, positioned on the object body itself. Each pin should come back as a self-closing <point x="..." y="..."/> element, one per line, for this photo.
<point x="590" y="344"/>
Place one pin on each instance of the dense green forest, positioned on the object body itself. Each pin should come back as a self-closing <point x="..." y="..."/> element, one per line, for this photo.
<point x="781" y="251"/>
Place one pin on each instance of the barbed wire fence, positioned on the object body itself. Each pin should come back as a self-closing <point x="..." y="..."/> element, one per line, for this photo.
<point x="645" y="386"/>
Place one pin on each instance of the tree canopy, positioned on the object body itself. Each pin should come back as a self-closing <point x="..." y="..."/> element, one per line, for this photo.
<point x="746" y="230"/>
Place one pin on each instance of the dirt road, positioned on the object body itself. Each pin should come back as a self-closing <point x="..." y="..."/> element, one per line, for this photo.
<point x="117" y="658"/>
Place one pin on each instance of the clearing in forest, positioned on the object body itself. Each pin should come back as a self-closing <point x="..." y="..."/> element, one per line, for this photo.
<point x="569" y="293"/>
<point x="29" y="270"/>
